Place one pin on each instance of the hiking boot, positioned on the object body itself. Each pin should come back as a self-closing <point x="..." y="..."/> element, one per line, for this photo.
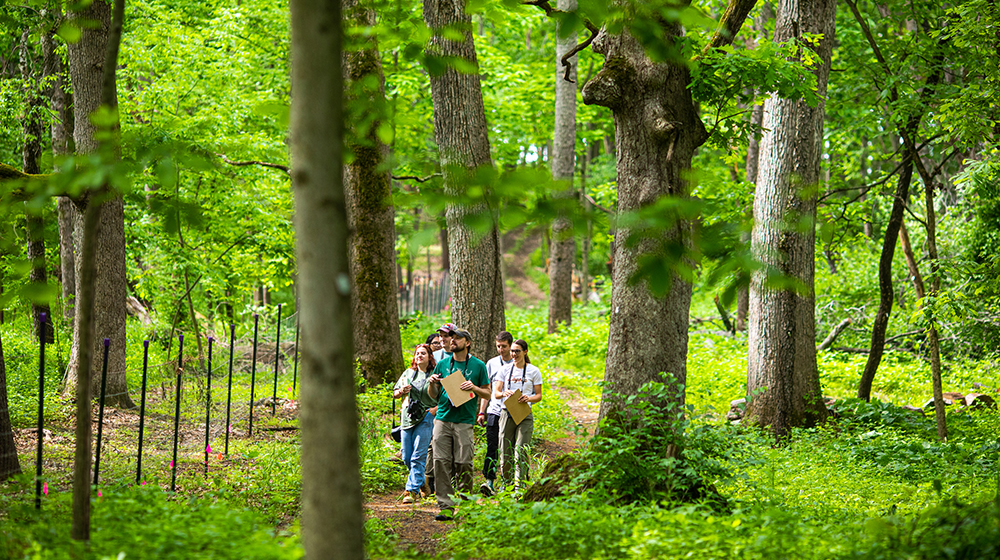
<point x="446" y="514"/>
<point x="486" y="488"/>
<point x="408" y="499"/>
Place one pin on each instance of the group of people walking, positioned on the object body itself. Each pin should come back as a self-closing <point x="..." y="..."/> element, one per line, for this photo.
<point x="437" y="429"/>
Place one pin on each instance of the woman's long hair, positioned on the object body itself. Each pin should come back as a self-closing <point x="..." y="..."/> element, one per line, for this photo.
<point x="431" y="362"/>
<point x="524" y="346"/>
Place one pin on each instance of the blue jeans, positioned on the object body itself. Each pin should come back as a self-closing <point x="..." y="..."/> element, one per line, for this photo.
<point x="416" y="441"/>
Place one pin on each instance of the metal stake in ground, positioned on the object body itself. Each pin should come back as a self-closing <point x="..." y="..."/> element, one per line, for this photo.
<point x="208" y="402"/>
<point x="41" y="409"/>
<point x="277" y="352"/>
<point x="253" y="371"/>
<point x="229" y="392"/>
<point x="177" y="411"/>
<point x="100" y="413"/>
<point x="295" y="367"/>
<point x="142" y="409"/>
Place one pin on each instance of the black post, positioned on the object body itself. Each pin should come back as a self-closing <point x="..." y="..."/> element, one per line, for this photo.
<point x="277" y="353"/>
<point x="177" y="411"/>
<point x="41" y="409"/>
<point x="295" y="368"/>
<point x="142" y="409"/>
<point x="100" y="409"/>
<point x="253" y="371"/>
<point x="208" y="402"/>
<point x="229" y="391"/>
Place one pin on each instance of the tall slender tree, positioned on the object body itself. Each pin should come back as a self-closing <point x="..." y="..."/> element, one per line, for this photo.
<point x="332" y="518"/>
<point x="562" y="248"/>
<point x="782" y="345"/>
<point x="477" y="288"/>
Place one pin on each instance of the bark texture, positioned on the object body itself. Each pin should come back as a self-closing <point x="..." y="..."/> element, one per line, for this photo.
<point x="332" y="518"/>
<point x="371" y="219"/>
<point x="31" y="154"/>
<point x="87" y="60"/>
<point x="61" y="131"/>
<point x="782" y="329"/>
<point x="562" y="249"/>
<point x="657" y="130"/>
<point x="477" y="290"/>
<point x="9" y="465"/>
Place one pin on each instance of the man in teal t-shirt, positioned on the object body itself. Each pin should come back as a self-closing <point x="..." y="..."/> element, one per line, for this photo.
<point x="452" y="439"/>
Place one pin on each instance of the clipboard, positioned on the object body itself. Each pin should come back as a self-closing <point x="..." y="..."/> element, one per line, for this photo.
<point x="457" y="396"/>
<point x="518" y="410"/>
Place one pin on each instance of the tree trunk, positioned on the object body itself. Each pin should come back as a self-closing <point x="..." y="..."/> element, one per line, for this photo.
<point x="477" y="289"/>
<point x="9" y="465"/>
<point x="782" y="339"/>
<point x="332" y="517"/>
<point x="87" y="61"/>
<point x="562" y="250"/>
<point x="657" y="130"/>
<point x="371" y="217"/>
<point x="892" y="232"/>
<point x="31" y="153"/>
<point x="753" y="159"/>
<point x="62" y="145"/>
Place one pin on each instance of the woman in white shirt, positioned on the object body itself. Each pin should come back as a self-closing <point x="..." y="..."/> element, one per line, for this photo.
<point x="516" y="437"/>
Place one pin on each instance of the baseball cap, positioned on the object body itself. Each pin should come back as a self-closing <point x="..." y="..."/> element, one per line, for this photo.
<point x="462" y="333"/>
<point x="448" y="328"/>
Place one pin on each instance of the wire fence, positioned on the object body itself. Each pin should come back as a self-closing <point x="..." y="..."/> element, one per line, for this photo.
<point x="425" y="295"/>
<point x="189" y="407"/>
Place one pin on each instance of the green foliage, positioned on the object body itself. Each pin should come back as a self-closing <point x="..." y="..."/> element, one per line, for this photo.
<point x="142" y="522"/>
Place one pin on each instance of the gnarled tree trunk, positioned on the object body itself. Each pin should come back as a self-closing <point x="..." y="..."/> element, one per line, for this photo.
<point x="657" y="130"/>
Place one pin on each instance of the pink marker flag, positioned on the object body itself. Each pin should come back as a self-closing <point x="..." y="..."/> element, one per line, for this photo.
<point x="208" y="449"/>
<point x="171" y="464"/>
<point x="45" y="488"/>
<point x="98" y="493"/>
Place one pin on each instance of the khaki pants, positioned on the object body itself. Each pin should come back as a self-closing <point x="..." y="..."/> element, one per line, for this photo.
<point x="452" y="444"/>
<point x="514" y="442"/>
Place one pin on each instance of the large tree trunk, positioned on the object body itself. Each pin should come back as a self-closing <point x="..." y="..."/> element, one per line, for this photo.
<point x="782" y="345"/>
<point x="562" y="249"/>
<point x="371" y="219"/>
<point x="332" y="518"/>
<point x="477" y="290"/>
<point x="9" y="465"/>
<point x="657" y="130"/>
<point x="87" y="60"/>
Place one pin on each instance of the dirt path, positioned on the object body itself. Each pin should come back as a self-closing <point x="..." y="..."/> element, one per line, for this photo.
<point x="414" y="525"/>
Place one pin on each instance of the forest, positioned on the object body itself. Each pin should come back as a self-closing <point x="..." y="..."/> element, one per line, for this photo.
<point x="752" y="247"/>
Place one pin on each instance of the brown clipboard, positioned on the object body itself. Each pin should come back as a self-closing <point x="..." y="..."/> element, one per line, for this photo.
<point x="457" y="396"/>
<point x="518" y="410"/>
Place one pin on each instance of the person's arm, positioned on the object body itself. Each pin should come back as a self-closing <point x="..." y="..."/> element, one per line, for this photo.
<point x="498" y="389"/>
<point x="533" y="398"/>
<point x="434" y="386"/>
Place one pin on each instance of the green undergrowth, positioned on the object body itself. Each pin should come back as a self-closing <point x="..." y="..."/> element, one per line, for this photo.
<point x="144" y="522"/>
